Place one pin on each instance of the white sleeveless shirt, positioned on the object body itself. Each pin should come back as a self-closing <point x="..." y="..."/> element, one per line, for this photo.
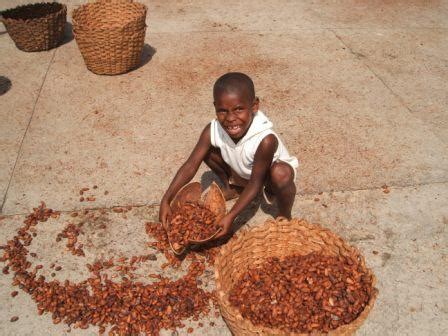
<point x="240" y="156"/>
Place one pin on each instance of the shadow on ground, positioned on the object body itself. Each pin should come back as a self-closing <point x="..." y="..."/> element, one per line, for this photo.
<point x="147" y="54"/>
<point x="5" y="85"/>
<point x="258" y="203"/>
<point x="68" y="33"/>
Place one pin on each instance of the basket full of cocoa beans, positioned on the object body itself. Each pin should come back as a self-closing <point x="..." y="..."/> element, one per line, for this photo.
<point x="195" y="216"/>
<point x="290" y="277"/>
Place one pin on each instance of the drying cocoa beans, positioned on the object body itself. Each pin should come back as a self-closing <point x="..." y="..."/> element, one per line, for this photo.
<point x="303" y="294"/>
<point x="71" y="233"/>
<point x="127" y="307"/>
<point x="208" y="250"/>
<point x="192" y="222"/>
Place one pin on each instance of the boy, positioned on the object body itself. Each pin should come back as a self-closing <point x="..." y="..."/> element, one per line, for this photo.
<point x="240" y="147"/>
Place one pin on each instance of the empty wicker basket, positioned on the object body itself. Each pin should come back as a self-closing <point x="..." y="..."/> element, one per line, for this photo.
<point x="278" y="238"/>
<point x="36" y="27"/>
<point x="110" y="35"/>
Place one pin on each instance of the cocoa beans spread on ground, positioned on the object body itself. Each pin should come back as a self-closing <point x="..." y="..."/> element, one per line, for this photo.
<point x="191" y="222"/>
<point x="126" y="307"/>
<point x="71" y="232"/>
<point x="303" y="293"/>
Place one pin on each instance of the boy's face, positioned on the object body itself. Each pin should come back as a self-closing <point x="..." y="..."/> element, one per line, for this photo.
<point x="235" y="112"/>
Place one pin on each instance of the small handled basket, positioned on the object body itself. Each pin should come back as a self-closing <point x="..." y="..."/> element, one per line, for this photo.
<point x="36" y="27"/>
<point x="212" y="199"/>
<point x="110" y="35"/>
<point x="278" y="238"/>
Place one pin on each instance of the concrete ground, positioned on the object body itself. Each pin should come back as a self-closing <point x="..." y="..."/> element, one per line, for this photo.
<point x="356" y="89"/>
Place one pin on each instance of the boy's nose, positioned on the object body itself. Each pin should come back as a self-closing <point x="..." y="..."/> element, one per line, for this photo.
<point x="230" y="116"/>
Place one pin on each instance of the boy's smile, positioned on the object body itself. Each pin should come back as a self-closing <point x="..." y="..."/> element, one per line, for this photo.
<point x="235" y="112"/>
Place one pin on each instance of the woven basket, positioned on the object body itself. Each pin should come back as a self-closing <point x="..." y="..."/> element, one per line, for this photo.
<point x="110" y="35"/>
<point x="277" y="238"/>
<point x="36" y="27"/>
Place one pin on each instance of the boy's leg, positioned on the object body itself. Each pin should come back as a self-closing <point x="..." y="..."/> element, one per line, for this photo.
<point x="216" y="163"/>
<point x="280" y="182"/>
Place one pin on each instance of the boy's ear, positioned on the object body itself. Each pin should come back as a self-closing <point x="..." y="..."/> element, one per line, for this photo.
<point x="255" y="105"/>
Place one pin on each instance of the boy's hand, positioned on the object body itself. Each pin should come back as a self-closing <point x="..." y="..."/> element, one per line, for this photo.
<point x="226" y="226"/>
<point x="165" y="214"/>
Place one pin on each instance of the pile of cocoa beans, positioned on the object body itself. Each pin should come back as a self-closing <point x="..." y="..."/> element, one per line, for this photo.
<point x="127" y="307"/>
<point x="191" y="221"/>
<point x="303" y="294"/>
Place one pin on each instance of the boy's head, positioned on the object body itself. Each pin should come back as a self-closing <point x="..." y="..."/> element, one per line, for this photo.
<point x="235" y="103"/>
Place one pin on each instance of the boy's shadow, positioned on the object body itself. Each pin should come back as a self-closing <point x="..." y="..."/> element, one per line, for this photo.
<point x="249" y="212"/>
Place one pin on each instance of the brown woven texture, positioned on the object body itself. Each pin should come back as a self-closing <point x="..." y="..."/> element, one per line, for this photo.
<point x="110" y="35"/>
<point x="278" y="238"/>
<point x="36" y="27"/>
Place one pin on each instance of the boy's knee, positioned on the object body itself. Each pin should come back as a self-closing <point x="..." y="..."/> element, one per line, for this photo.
<point x="281" y="174"/>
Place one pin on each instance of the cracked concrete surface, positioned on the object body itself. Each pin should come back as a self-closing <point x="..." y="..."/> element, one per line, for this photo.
<point x="357" y="90"/>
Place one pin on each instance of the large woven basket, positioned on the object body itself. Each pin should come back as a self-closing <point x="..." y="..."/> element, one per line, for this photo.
<point x="277" y="238"/>
<point x="36" y="27"/>
<point x="110" y="35"/>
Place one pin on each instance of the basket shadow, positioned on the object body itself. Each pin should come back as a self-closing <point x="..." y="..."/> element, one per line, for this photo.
<point x="5" y="85"/>
<point x="68" y="34"/>
<point x="147" y="53"/>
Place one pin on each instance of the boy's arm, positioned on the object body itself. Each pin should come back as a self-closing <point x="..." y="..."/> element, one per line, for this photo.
<point x="262" y="164"/>
<point x="185" y="173"/>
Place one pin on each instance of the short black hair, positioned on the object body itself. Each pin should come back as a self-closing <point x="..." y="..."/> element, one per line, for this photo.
<point x="234" y="82"/>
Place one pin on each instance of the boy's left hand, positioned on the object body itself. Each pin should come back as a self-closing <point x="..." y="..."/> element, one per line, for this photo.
<point x="226" y="226"/>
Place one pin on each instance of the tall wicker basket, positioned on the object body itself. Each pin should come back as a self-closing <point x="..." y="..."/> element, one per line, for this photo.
<point x="277" y="238"/>
<point x="110" y="35"/>
<point x="36" y="27"/>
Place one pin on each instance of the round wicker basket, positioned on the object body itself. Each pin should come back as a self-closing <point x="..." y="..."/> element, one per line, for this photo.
<point x="36" y="27"/>
<point x="278" y="238"/>
<point x="110" y="35"/>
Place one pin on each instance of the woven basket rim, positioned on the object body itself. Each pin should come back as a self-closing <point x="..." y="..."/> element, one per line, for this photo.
<point x="223" y="296"/>
<point x="83" y="26"/>
<point x="62" y="9"/>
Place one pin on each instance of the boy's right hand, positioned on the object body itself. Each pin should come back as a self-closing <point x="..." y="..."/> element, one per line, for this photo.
<point x="165" y="214"/>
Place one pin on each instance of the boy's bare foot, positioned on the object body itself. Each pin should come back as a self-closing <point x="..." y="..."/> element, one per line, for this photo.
<point x="231" y="192"/>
